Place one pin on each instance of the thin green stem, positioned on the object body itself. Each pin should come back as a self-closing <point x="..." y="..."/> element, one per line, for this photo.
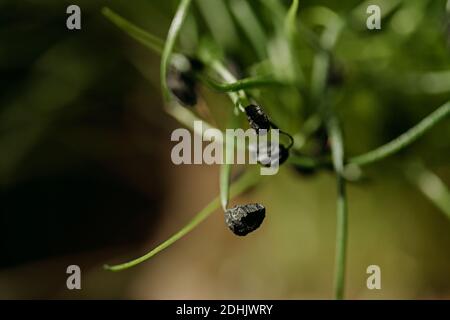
<point x="156" y="44"/>
<point x="150" y="41"/>
<point x="405" y="139"/>
<point x="249" y="23"/>
<point x="238" y="85"/>
<point x="188" y="118"/>
<point x="430" y="185"/>
<point x="225" y="168"/>
<point x="172" y="36"/>
<point x="239" y="98"/>
<point x="291" y="31"/>
<point x="247" y="181"/>
<point x="391" y="147"/>
<point x="341" y="239"/>
<point x="319" y="76"/>
<point x="225" y="175"/>
<point x="337" y="149"/>
<point x="320" y="98"/>
<point x="291" y="19"/>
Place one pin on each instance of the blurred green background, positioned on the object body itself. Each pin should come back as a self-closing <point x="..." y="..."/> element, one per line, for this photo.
<point x="86" y="176"/>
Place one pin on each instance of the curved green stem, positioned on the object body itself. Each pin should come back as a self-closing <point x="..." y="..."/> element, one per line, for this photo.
<point x="388" y="149"/>
<point x="157" y="45"/>
<point x="225" y="168"/>
<point x="430" y="185"/>
<point x="337" y="149"/>
<point x="150" y="41"/>
<point x="405" y="139"/>
<point x="249" y="23"/>
<point x="247" y="83"/>
<point x="172" y="35"/>
<point x="291" y="22"/>
<point x="225" y="175"/>
<point x="247" y="181"/>
<point x="239" y="98"/>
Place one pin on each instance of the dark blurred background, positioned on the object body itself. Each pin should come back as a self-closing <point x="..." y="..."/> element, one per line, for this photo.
<point x="86" y="176"/>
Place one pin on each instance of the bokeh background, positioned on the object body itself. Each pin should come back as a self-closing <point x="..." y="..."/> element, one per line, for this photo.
<point x="86" y="176"/>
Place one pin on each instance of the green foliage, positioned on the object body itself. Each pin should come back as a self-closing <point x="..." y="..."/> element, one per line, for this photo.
<point x="287" y="51"/>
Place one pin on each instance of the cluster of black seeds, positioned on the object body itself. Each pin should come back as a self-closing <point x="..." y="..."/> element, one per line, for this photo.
<point x="244" y="219"/>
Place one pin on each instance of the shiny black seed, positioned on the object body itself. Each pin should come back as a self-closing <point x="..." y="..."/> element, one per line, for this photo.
<point x="196" y="64"/>
<point x="244" y="219"/>
<point x="257" y="118"/>
<point x="283" y="155"/>
<point x="183" y="86"/>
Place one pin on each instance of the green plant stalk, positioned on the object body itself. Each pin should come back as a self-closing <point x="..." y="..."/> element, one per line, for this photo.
<point x="148" y="40"/>
<point x="248" y="180"/>
<point x="172" y="36"/>
<point x="225" y="175"/>
<point x="291" y="18"/>
<point x="405" y="139"/>
<point x="319" y="76"/>
<point x="180" y="113"/>
<point x="292" y="34"/>
<point x="337" y="149"/>
<point x="341" y="239"/>
<point x="390" y="148"/>
<point x="249" y="23"/>
<point x="242" y="84"/>
<point x="239" y="98"/>
<point x="156" y="45"/>
<point x="320" y="97"/>
<point x="187" y="118"/>
<point x="225" y="168"/>
<point x="220" y="23"/>
<point x="430" y="185"/>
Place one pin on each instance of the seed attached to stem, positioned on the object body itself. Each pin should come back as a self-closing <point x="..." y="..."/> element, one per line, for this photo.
<point x="269" y="155"/>
<point x="181" y="80"/>
<point x="283" y="154"/>
<point x="257" y="118"/>
<point x="243" y="219"/>
<point x="182" y="87"/>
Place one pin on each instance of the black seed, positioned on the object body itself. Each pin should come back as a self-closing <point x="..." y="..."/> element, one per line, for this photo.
<point x="196" y="64"/>
<point x="257" y="118"/>
<point x="183" y="86"/>
<point x="244" y="219"/>
<point x="182" y="82"/>
<point x="283" y="155"/>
